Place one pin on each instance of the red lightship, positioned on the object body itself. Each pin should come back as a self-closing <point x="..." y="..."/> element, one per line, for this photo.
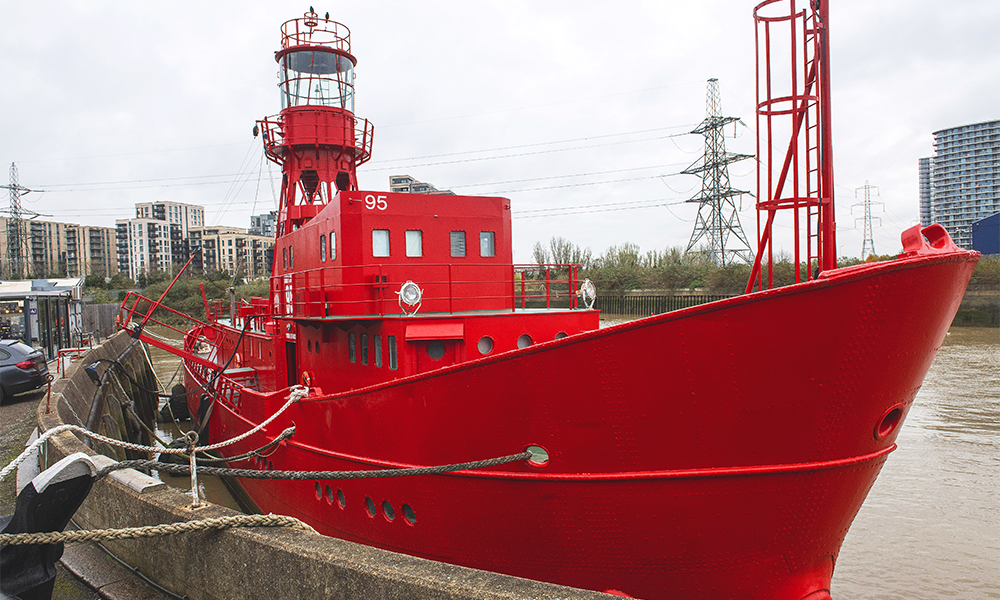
<point x="719" y="451"/>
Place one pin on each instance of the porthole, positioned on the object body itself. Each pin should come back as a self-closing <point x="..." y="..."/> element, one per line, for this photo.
<point x="561" y="335"/>
<point x="389" y="512"/>
<point x="539" y="456"/>
<point x="329" y="495"/>
<point x="889" y="421"/>
<point x="370" y="507"/>
<point x="341" y="500"/>
<point x="524" y="341"/>
<point x="485" y="345"/>
<point x="409" y="515"/>
<point x="319" y="491"/>
<point x="435" y="350"/>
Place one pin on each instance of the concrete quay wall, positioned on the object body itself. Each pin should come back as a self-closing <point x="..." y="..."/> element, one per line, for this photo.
<point x="252" y="563"/>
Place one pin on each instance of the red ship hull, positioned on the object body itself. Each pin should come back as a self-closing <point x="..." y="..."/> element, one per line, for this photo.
<point x="680" y="465"/>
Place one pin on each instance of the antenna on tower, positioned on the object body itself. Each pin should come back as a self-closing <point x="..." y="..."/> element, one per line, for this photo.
<point x="17" y="239"/>
<point x="868" y="247"/>
<point x="717" y="221"/>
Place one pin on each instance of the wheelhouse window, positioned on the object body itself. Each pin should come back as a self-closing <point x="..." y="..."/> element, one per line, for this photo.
<point x="322" y="248"/>
<point x="333" y="245"/>
<point x="377" y="342"/>
<point x="458" y="243"/>
<point x="393" y="364"/>
<point x="414" y="243"/>
<point x="291" y="257"/>
<point x="284" y="257"/>
<point x="364" y="348"/>
<point x="487" y="244"/>
<point x="380" y="242"/>
<point x="351" y="348"/>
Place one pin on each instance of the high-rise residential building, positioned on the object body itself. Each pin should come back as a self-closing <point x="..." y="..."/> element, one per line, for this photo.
<point x="232" y="250"/>
<point x="409" y="185"/>
<point x="924" y="191"/>
<point x="65" y="249"/>
<point x="964" y="178"/>
<point x="156" y="238"/>
<point x="91" y="251"/>
<point x="264" y="224"/>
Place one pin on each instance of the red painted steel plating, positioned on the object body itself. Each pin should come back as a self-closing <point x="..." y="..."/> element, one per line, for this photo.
<point x="665" y="475"/>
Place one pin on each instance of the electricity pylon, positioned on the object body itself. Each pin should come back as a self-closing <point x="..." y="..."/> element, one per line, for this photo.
<point x="868" y="246"/>
<point x="717" y="221"/>
<point x="17" y="238"/>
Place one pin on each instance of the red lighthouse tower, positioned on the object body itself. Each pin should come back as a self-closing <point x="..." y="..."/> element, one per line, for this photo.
<point x="316" y="138"/>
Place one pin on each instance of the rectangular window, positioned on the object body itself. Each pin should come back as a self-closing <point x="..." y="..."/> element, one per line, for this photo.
<point x="322" y="248"/>
<point x="380" y="242"/>
<point x="392" y="353"/>
<point x="414" y="243"/>
<point x="351" y="349"/>
<point x="364" y="348"/>
<point x="291" y="257"/>
<point x="458" y="243"/>
<point x="284" y="257"/>
<point x="487" y="244"/>
<point x="333" y="245"/>
<point x="377" y="342"/>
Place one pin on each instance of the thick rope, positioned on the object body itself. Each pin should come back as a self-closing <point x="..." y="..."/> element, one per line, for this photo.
<point x="298" y="392"/>
<point x="129" y="533"/>
<point x="303" y="475"/>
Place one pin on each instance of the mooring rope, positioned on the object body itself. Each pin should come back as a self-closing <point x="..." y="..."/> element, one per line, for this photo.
<point x="297" y="393"/>
<point x="129" y="533"/>
<point x="181" y="469"/>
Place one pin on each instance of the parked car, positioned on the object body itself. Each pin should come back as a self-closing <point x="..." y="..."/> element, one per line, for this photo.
<point x="22" y="368"/>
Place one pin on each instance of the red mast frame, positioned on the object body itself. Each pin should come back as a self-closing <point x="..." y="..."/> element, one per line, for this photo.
<point x="796" y="111"/>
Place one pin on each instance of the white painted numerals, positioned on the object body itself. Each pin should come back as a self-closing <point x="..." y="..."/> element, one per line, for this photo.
<point x="372" y="202"/>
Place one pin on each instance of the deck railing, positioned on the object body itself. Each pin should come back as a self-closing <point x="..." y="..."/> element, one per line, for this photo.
<point x="372" y="289"/>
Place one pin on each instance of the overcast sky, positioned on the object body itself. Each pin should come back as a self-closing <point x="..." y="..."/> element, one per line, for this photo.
<point x="570" y="105"/>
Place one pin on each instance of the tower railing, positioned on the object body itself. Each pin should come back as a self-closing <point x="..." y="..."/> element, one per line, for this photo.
<point x="793" y="109"/>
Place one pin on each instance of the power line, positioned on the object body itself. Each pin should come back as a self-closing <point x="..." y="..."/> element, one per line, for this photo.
<point x="532" y="145"/>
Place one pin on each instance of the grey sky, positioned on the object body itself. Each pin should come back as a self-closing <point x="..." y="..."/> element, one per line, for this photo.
<point x="164" y="96"/>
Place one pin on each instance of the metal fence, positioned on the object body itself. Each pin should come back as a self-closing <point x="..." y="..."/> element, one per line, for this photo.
<point x="651" y="304"/>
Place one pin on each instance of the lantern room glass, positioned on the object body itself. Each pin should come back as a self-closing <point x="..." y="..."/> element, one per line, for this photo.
<point x="316" y="78"/>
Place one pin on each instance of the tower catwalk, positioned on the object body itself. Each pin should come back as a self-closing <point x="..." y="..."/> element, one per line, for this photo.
<point x="717" y="222"/>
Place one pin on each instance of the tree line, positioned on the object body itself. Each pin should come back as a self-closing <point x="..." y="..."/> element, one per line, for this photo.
<point x="625" y="267"/>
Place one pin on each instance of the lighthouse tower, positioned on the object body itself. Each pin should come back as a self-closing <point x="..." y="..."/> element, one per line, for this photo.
<point x="316" y="138"/>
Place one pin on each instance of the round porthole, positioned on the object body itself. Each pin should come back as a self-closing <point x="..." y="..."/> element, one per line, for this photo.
<point x="435" y="350"/>
<point x="341" y="500"/>
<point x="524" y="341"/>
<point x="561" y="335"/>
<point x="329" y="495"/>
<point x="409" y="515"/>
<point x="319" y="491"/>
<point x="387" y="509"/>
<point x="539" y="456"/>
<point x="889" y="422"/>
<point x="370" y="507"/>
<point x="485" y="345"/>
